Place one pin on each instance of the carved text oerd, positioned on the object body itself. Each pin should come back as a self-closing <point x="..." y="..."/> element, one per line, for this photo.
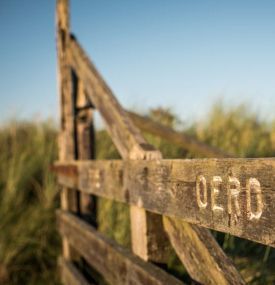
<point x="232" y="186"/>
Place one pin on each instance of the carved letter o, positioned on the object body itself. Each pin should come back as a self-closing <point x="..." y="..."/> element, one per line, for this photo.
<point x="201" y="181"/>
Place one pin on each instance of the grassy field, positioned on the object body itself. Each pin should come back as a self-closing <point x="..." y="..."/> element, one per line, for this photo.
<point x="29" y="243"/>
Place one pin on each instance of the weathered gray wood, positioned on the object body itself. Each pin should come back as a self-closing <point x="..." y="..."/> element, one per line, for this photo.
<point x="170" y="187"/>
<point x="70" y="275"/>
<point x="116" y="264"/>
<point x="183" y="140"/>
<point x="178" y="189"/>
<point x="201" y="254"/>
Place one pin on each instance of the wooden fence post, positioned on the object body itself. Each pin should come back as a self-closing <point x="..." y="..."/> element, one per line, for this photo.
<point x="85" y="136"/>
<point x="149" y="240"/>
<point x="66" y="136"/>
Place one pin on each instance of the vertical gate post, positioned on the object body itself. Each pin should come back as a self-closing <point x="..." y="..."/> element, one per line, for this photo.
<point x="85" y="136"/>
<point x="66" y="138"/>
<point x="149" y="240"/>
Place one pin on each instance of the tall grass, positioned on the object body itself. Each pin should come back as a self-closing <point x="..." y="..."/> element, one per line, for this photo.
<point x="29" y="243"/>
<point x="238" y="130"/>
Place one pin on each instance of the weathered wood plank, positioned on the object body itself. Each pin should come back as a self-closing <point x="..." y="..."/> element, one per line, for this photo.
<point x="65" y="80"/>
<point x="201" y="254"/>
<point x="85" y="146"/>
<point x="66" y="141"/>
<point x="229" y="195"/>
<point x="70" y="275"/>
<point x="183" y="140"/>
<point x="148" y="238"/>
<point x="236" y="196"/>
<point x="116" y="264"/>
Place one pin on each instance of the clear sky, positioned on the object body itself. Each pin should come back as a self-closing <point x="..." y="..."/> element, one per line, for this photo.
<point x="178" y="53"/>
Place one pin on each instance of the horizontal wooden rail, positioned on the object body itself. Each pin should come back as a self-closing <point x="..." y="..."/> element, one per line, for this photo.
<point x="70" y="275"/>
<point x="183" y="140"/>
<point x="235" y="196"/>
<point x="116" y="264"/>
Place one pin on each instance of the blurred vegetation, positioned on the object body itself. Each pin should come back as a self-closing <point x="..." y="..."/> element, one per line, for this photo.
<point x="29" y="243"/>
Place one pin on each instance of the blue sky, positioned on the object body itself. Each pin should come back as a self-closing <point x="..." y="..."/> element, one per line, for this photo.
<point x="180" y="54"/>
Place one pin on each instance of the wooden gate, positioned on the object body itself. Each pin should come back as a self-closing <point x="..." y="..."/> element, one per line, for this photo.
<point x="172" y="202"/>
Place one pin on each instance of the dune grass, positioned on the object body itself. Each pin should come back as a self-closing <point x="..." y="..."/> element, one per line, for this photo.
<point x="29" y="242"/>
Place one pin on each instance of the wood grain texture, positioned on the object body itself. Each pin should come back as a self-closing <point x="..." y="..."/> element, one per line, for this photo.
<point x="168" y="187"/>
<point x="116" y="264"/>
<point x="66" y="139"/>
<point x="174" y="187"/>
<point x="70" y="275"/>
<point x="197" y="254"/>
<point x="183" y="140"/>
<point x="148" y="238"/>
<point x="85" y="146"/>
<point x="65" y="80"/>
